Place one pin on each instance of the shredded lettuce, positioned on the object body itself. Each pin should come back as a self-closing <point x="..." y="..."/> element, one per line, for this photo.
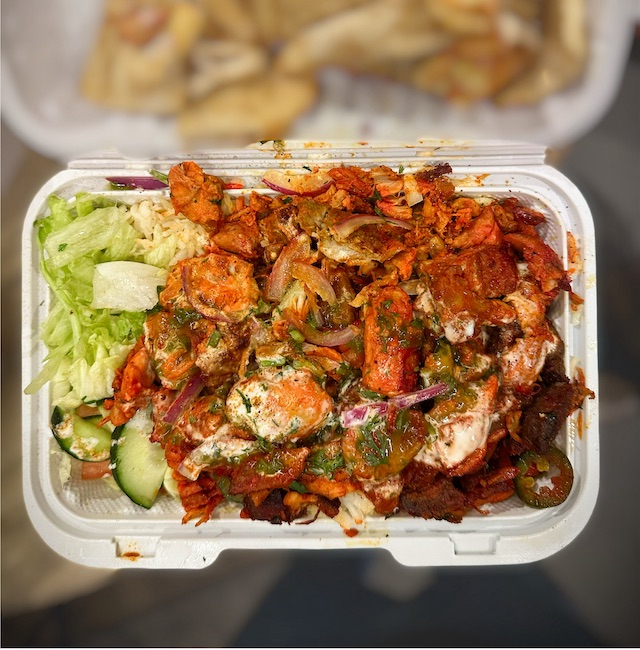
<point x="85" y="346"/>
<point x="103" y="229"/>
<point x="165" y="251"/>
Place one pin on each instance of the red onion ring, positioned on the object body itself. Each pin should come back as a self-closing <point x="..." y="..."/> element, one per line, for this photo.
<point x="409" y="399"/>
<point x="297" y="249"/>
<point x="360" y="414"/>
<point x="188" y="393"/>
<point x="307" y="185"/>
<point x="315" y="279"/>
<point x="138" y="182"/>
<point x="347" y="226"/>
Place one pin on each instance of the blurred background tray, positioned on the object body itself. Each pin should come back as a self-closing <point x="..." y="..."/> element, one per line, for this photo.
<point x="45" y="48"/>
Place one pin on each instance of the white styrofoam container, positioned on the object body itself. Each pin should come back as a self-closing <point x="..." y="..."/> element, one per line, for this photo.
<point x="91" y="523"/>
<point x="45" y="46"/>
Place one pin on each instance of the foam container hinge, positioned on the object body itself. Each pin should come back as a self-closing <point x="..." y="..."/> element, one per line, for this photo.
<point x="91" y="523"/>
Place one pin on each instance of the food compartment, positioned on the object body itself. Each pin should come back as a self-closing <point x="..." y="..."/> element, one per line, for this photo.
<point x="68" y="511"/>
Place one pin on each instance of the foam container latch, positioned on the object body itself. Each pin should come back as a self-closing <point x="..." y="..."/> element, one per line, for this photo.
<point x="90" y="523"/>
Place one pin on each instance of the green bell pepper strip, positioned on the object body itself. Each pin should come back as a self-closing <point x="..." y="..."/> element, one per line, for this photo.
<point x="533" y="466"/>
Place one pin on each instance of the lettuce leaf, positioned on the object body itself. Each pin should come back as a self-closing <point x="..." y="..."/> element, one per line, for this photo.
<point x="85" y="346"/>
<point x="103" y="229"/>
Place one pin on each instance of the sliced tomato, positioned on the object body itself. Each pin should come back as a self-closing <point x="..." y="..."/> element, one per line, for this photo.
<point x="92" y="471"/>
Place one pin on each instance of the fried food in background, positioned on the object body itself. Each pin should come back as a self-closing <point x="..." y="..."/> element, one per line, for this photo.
<point x="219" y="62"/>
<point x="375" y="33"/>
<point x="262" y="107"/>
<point x="139" y="59"/>
<point x="472" y="69"/>
<point x="247" y="68"/>
<point x="267" y="21"/>
<point x="562" y="57"/>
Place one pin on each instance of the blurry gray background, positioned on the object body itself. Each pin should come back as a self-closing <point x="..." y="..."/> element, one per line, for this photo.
<point x="586" y="595"/>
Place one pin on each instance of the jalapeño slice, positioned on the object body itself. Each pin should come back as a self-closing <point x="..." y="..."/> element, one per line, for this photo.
<point x="534" y="467"/>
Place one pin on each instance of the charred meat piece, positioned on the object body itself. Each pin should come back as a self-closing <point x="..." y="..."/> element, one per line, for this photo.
<point x="220" y="349"/>
<point x="439" y="500"/>
<point x="170" y="349"/>
<point x="391" y="343"/>
<point x="543" y="418"/>
<point x="269" y="471"/>
<point x="277" y="230"/>
<point x="240" y="234"/>
<point x="199" y="498"/>
<point x="502" y="338"/>
<point x="133" y="385"/>
<point x="354" y="180"/>
<point x="195" y="194"/>
<point x="220" y="287"/>
<point x="270" y="508"/>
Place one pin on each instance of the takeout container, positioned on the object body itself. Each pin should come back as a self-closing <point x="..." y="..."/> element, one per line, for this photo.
<point x="45" y="46"/>
<point x="91" y="523"/>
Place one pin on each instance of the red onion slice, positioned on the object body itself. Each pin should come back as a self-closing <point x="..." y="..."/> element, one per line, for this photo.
<point x="349" y="225"/>
<point x="188" y="393"/>
<point x="327" y="338"/>
<point x="278" y="280"/>
<point x="316" y="280"/>
<point x="137" y="182"/>
<point x="307" y="185"/>
<point x="411" y="190"/>
<point x="360" y="414"/>
<point x="409" y="399"/>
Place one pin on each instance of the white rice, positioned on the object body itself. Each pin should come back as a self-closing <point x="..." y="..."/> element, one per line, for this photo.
<point x="166" y="238"/>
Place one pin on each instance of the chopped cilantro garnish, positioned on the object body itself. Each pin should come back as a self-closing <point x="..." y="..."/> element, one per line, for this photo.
<point x="370" y="394"/>
<point x="374" y="442"/>
<point x="269" y="465"/>
<point x="402" y="420"/>
<point x="183" y="316"/>
<point x="319" y="463"/>
<point x="224" y="485"/>
<point x="245" y="400"/>
<point x="214" y="407"/>
<point x="263" y="444"/>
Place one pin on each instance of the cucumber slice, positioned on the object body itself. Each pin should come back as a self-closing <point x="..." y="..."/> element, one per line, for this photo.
<point x="81" y="438"/>
<point x="138" y="465"/>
